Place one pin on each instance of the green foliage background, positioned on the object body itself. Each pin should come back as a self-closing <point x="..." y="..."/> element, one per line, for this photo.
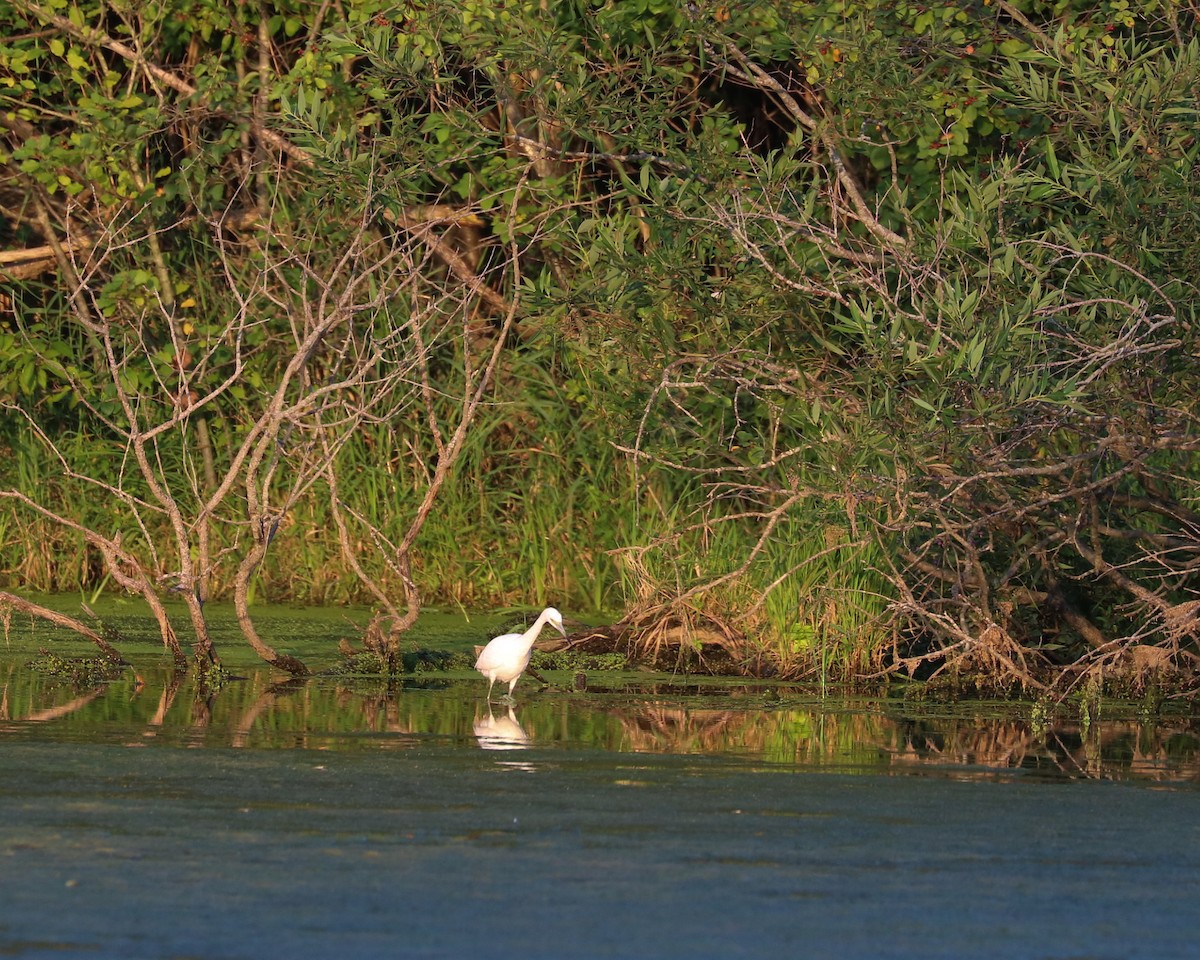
<point x="733" y="393"/>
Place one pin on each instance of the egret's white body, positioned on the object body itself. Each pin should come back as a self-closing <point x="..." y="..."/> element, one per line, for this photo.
<point x="506" y="657"/>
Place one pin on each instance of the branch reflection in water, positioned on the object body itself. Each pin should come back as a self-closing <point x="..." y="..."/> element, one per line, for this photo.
<point x="769" y="725"/>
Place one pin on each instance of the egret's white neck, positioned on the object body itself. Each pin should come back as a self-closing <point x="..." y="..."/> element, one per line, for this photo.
<point x="543" y="618"/>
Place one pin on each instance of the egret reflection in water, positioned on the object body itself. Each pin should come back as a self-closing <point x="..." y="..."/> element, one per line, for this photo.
<point x="501" y="733"/>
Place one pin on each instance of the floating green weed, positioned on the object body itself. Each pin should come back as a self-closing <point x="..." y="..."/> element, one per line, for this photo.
<point x="77" y="671"/>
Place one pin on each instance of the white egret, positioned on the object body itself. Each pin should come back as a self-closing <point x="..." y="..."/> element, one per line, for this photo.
<point x="506" y="657"/>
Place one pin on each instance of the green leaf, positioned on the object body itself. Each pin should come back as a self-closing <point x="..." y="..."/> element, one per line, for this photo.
<point x="1052" y="161"/>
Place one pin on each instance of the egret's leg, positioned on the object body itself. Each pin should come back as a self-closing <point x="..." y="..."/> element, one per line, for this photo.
<point x="508" y="697"/>
<point x="491" y="683"/>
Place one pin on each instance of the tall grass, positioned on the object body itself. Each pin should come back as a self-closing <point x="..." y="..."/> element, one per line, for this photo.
<point x="824" y="602"/>
<point x="536" y="512"/>
<point x="811" y="601"/>
<point x="34" y="552"/>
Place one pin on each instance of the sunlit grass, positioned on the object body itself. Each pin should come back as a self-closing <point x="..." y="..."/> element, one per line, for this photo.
<point x="538" y="511"/>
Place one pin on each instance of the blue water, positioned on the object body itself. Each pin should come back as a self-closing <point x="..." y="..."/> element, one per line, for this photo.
<point x="412" y="845"/>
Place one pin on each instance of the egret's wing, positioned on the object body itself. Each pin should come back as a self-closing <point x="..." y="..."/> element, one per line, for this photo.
<point x="496" y="652"/>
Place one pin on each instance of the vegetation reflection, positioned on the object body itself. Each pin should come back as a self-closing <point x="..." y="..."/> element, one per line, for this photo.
<point x="763" y="724"/>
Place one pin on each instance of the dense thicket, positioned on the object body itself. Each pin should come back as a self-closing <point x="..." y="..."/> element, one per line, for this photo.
<point x="865" y="331"/>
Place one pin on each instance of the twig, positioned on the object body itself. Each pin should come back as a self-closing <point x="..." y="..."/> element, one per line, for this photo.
<point x="761" y="78"/>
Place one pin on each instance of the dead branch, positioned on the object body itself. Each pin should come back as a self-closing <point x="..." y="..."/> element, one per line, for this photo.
<point x="9" y="602"/>
<point x="745" y="69"/>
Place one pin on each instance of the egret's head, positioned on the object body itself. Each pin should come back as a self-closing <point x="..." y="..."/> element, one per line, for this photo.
<point x="554" y="618"/>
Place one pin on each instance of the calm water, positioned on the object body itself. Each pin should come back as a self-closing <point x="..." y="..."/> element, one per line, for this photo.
<point x="645" y="817"/>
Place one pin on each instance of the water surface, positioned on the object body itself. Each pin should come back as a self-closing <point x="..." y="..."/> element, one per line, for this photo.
<point x="648" y="816"/>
